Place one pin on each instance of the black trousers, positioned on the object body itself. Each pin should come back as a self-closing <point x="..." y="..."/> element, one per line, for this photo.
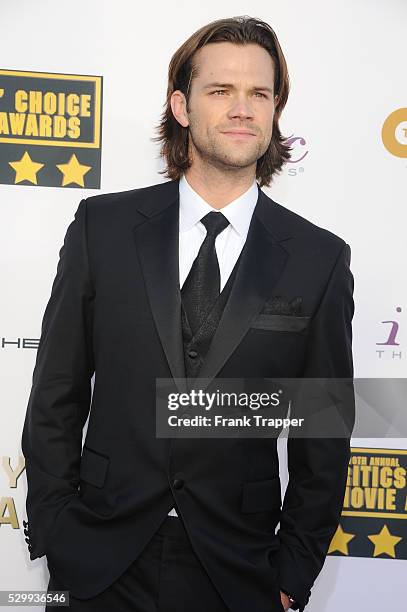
<point x="166" y="577"/>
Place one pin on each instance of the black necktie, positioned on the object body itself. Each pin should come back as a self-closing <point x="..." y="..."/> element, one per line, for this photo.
<point x="202" y="285"/>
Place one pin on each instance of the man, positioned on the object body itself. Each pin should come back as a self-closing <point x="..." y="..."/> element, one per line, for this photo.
<point x="176" y="280"/>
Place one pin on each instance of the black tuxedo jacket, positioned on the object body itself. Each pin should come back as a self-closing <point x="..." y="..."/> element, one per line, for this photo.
<point x="114" y="311"/>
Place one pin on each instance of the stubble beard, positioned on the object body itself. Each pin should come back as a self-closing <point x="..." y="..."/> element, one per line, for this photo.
<point x="224" y="156"/>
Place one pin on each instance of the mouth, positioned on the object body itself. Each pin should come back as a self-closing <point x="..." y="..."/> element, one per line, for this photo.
<point x="239" y="135"/>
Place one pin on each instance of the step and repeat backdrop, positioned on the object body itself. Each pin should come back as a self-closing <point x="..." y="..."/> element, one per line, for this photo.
<point x="82" y="88"/>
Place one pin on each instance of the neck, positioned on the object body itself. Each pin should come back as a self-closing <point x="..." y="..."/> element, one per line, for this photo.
<point x="218" y="188"/>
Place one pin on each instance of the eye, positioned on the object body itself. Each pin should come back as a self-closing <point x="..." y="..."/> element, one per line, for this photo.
<point x="221" y="91"/>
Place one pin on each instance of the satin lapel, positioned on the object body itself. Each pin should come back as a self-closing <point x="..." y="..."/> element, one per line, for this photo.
<point x="157" y="240"/>
<point x="262" y="263"/>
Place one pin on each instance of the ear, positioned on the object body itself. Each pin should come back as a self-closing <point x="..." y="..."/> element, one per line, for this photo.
<point x="178" y="107"/>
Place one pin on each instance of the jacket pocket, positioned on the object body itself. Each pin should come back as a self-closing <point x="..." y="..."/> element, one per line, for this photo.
<point x="261" y="495"/>
<point x="93" y="467"/>
<point x="276" y="322"/>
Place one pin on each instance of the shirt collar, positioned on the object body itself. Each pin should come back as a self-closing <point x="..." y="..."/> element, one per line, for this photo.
<point x="238" y="212"/>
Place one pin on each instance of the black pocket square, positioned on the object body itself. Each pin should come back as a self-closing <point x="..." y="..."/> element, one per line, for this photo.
<point x="280" y="305"/>
<point x="281" y="314"/>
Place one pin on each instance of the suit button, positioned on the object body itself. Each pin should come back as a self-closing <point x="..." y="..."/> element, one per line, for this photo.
<point x="178" y="483"/>
<point x="193" y="354"/>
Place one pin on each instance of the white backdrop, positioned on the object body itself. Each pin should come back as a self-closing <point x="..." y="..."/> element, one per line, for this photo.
<point x="346" y="60"/>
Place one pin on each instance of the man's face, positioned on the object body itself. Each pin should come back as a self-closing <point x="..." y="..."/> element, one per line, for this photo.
<point x="233" y="91"/>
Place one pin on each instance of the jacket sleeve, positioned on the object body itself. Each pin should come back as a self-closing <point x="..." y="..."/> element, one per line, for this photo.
<point x="318" y="466"/>
<point x="59" y="401"/>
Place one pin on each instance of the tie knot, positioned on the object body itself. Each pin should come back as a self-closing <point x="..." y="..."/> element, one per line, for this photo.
<point x="214" y="223"/>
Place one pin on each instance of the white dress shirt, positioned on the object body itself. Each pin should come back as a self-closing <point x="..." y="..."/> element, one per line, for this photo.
<point x="228" y="244"/>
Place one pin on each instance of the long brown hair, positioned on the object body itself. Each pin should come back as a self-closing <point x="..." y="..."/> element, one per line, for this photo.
<point x="181" y="71"/>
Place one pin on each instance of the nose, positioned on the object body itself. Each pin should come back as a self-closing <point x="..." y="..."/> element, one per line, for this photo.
<point x="240" y="109"/>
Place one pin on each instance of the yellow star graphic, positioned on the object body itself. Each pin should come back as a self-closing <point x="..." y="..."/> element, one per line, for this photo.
<point x="384" y="542"/>
<point x="340" y="541"/>
<point x="73" y="172"/>
<point x="26" y="169"/>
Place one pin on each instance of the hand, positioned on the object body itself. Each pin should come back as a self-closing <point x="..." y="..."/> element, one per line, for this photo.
<point x="285" y="602"/>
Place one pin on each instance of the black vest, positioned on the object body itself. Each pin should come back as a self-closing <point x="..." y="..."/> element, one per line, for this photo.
<point x="196" y="346"/>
